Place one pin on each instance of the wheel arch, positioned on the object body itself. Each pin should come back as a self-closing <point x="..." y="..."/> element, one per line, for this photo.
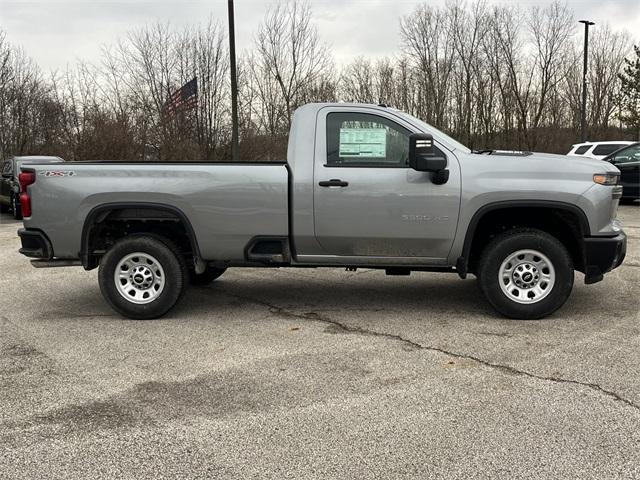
<point x="464" y="263"/>
<point x="99" y="213"/>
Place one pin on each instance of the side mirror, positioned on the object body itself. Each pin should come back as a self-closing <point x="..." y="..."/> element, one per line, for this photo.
<point x="423" y="157"/>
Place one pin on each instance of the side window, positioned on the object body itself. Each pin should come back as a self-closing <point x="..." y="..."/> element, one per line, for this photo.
<point x="581" y="150"/>
<point x="631" y="154"/>
<point x="6" y="167"/>
<point x="365" y="140"/>
<point x="606" y="149"/>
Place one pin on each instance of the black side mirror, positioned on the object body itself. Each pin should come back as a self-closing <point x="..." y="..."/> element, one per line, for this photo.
<point x="423" y="157"/>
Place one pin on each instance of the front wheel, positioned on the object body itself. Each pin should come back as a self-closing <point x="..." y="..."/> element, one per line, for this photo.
<point x="142" y="277"/>
<point x="525" y="274"/>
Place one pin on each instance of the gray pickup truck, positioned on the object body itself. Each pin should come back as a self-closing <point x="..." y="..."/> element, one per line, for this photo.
<point x="363" y="186"/>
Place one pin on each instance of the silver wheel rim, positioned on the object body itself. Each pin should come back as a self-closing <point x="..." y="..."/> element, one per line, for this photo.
<point x="139" y="278"/>
<point x="526" y="276"/>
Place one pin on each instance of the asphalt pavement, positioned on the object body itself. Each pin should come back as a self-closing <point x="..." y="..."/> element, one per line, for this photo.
<point x="285" y="373"/>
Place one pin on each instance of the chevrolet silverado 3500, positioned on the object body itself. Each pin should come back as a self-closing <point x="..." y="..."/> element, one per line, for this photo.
<point x="362" y="186"/>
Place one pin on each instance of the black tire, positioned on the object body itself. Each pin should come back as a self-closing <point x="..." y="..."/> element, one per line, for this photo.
<point x="172" y="266"/>
<point x="505" y="245"/>
<point x="15" y="208"/>
<point x="207" y="277"/>
<point x="4" y="208"/>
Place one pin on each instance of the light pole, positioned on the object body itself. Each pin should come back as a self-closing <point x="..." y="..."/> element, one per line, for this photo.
<point x="234" y="85"/>
<point x="583" y="113"/>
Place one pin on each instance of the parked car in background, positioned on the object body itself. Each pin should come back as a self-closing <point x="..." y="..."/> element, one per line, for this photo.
<point x="9" y="186"/>
<point x="597" y="150"/>
<point x="627" y="159"/>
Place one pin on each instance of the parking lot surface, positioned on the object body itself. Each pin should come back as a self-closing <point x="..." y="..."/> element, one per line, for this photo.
<point x="284" y="373"/>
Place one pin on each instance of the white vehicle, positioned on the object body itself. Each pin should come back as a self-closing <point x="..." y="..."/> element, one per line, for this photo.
<point x="597" y="150"/>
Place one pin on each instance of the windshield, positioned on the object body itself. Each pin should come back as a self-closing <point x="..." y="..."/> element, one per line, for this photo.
<point x="437" y="134"/>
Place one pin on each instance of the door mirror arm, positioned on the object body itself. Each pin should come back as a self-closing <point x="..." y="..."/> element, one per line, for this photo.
<point x="440" y="177"/>
<point x="424" y="158"/>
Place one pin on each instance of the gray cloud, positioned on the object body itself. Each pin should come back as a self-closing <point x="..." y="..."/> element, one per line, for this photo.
<point x="57" y="32"/>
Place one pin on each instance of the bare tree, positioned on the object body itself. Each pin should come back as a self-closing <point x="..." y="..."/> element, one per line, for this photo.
<point x="202" y="54"/>
<point x="289" y="50"/>
<point x="22" y="93"/>
<point x="629" y="98"/>
<point x="468" y="28"/>
<point x="6" y="93"/>
<point x="357" y="82"/>
<point x="428" y="43"/>
<point x="607" y="51"/>
<point x="550" y="29"/>
<point x="498" y="77"/>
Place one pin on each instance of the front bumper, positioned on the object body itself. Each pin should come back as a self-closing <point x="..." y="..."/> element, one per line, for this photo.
<point x="35" y="244"/>
<point x="603" y="254"/>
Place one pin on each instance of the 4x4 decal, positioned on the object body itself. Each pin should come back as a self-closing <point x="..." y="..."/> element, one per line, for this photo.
<point x="58" y="173"/>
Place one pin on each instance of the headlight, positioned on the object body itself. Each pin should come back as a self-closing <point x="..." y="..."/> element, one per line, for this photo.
<point x="606" y="178"/>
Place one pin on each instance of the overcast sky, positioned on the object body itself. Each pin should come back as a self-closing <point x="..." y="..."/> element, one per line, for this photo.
<point x="57" y="32"/>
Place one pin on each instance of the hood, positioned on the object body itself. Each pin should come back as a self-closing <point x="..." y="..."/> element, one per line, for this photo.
<point x="551" y="161"/>
<point x="518" y="167"/>
<point x="576" y="161"/>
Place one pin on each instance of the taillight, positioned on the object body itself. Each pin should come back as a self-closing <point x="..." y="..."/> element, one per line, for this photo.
<point x="25" y="204"/>
<point x="25" y="179"/>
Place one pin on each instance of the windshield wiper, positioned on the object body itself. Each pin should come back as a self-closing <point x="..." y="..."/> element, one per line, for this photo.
<point x="482" y="152"/>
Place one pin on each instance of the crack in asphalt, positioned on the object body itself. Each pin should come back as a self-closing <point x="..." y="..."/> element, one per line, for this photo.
<point x="278" y="310"/>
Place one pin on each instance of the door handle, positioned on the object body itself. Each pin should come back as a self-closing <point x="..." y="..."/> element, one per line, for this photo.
<point x="334" y="182"/>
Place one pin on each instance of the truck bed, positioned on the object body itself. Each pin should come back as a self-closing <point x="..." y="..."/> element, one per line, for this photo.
<point x="227" y="204"/>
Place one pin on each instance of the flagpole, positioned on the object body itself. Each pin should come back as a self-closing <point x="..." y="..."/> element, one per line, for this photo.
<point x="234" y="85"/>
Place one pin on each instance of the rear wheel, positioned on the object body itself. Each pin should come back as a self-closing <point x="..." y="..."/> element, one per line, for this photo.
<point x="525" y="274"/>
<point x="15" y="208"/>
<point x="207" y="277"/>
<point x="142" y="277"/>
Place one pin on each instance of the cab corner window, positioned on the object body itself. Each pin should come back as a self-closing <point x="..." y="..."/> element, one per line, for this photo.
<point x="365" y="140"/>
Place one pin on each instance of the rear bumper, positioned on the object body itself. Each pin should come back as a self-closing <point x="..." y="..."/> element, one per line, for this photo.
<point x="35" y="244"/>
<point x="603" y="254"/>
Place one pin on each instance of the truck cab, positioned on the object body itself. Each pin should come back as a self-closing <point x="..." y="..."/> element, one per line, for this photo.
<point x="368" y="203"/>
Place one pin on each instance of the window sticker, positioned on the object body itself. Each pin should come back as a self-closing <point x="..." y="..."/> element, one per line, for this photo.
<point x="363" y="142"/>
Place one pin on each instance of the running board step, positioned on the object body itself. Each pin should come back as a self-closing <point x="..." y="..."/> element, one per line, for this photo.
<point x="56" y="263"/>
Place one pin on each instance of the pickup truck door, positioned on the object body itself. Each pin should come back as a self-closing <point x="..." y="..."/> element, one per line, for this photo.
<point x="368" y="202"/>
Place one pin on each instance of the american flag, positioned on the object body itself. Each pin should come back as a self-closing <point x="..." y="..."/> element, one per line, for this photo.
<point x="185" y="98"/>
